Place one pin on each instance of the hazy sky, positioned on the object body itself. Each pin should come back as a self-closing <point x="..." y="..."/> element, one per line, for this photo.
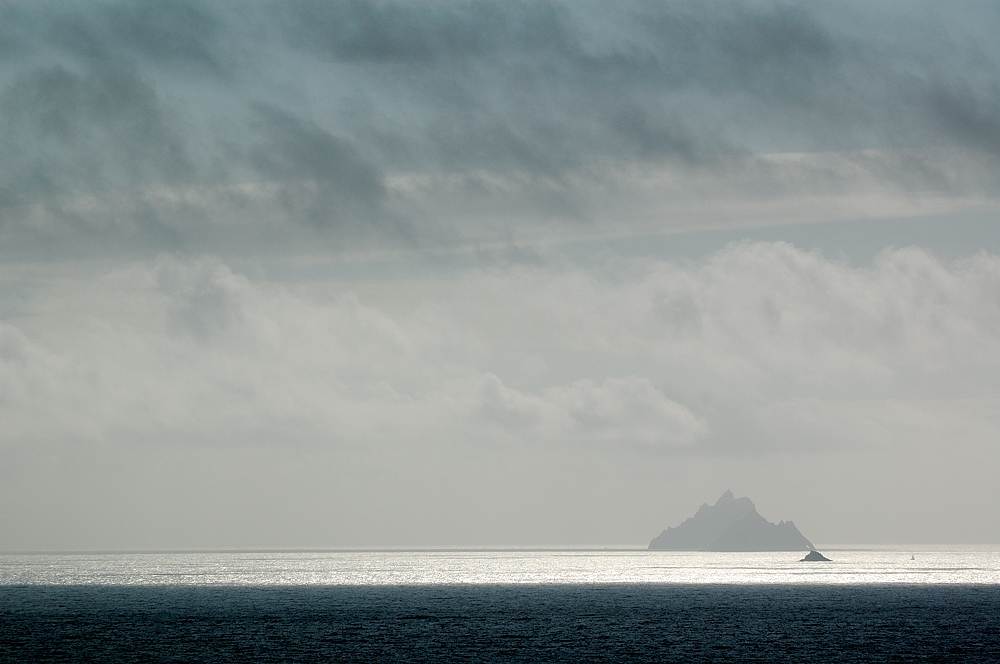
<point x="319" y="274"/>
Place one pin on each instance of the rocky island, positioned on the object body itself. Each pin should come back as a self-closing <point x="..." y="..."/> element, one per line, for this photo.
<point x="732" y="524"/>
<point x="814" y="557"/>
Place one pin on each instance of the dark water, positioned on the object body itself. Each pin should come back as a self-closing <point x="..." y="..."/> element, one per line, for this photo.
<point x="460" y="623"/>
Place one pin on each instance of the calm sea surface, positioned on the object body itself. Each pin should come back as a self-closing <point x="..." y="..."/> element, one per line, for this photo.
<point x="867" y="605"/>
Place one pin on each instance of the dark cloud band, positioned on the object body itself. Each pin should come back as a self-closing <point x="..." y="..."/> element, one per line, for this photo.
<point x="264" y="126"/>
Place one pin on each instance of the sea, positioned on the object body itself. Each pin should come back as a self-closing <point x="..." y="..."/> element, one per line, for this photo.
<point x="868" y="604"/>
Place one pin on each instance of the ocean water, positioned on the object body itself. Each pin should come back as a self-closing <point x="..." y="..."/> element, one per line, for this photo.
<point x="867" y="605"/>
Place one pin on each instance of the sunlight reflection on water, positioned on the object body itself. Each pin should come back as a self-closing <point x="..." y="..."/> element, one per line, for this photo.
<point x="849" y="565"/>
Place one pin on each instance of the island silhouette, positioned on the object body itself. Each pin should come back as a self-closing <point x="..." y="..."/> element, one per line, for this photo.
<point x="814" y="557"/>
<point x="732" y="524"/>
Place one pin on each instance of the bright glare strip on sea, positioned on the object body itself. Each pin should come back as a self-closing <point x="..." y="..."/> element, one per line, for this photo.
<point x="944" y="565"/>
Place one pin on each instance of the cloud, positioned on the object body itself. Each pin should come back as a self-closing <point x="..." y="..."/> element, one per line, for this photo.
<point x="760" y="347"/>
<point x="261" y="128"/>
<point x="69" y="134"/>
<point x="324" y="173"/>
<point x="971" y="116"/>
<point x="169" y="33"/>
<point x="203" y="404"/>
<point x="627" y="411"/>
<point x="221" y="360"/>
<point x="158" y="161"/>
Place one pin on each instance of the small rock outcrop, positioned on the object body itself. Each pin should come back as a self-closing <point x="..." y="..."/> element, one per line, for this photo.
<point x="732" y="524"/>
<point x="814" y="556"/>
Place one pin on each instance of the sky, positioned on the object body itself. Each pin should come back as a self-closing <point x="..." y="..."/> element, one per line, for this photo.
<point x="458" y="273"/>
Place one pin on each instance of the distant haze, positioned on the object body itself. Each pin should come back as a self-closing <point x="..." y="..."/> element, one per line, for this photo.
<point x="310" y="274"/>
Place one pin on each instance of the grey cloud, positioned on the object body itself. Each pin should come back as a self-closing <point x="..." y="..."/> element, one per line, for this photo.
<point x="721" y="45"/>
<point x="541" y="87"/>
<point x="762" y="361"/>
<point x="303" y="155"/>
<point x="361" y="31"/>
<point x="710" y="357"/>
<point x="967" y="116"/>
<point x="777" y="51"/>
<point x="67" y="133"/>
<point x="180" y="32"/>
<point x="424" y="33"/>
<point x="170" y="33"/>
<point x="509" y="87"/>
<point x="203" y="301"/>
<point x="548" y="87"/>
<point x="15" y="31"/>
<point x="76" y="143"/>
<point x="281" y="135"/>
<point x="263" y="126"/>
<point x="651" y="137"/>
